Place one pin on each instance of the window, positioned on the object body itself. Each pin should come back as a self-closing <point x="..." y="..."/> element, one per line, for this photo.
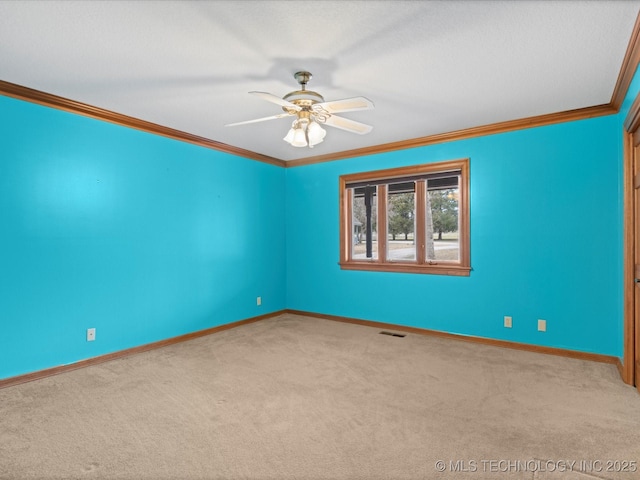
<point x="411" y="219"/>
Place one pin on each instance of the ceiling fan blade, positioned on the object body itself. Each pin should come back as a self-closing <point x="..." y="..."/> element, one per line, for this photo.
<point x="277" y="100"/>
<point x="272" y="117"/>
<point x="346" y="105"/>
<point x="348" y="125"/>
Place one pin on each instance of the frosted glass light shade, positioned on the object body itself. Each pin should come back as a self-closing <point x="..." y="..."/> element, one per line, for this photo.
<point x="289" y="137"/>
<point x="304" y="133"/>
<point x="299" y="138"/>
<point x="315" y="133"/>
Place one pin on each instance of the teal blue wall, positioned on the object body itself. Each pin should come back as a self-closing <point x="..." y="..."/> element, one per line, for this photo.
<point x="139" y="236"/>
<point x="145" y="238"/>
<point x="546" y="241"/>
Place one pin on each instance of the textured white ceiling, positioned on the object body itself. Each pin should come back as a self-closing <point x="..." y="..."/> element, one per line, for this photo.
<point x="429" y="66"/>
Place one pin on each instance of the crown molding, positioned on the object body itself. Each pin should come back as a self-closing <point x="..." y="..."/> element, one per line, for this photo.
<point x="628" y="68"/>
<point x="492" y="129"/>
<point x="54" y="101"/>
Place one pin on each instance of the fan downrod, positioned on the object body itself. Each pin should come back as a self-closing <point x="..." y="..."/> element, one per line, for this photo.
<point x="303" y="78"/>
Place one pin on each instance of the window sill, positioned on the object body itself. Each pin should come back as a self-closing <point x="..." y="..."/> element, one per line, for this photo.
<point x="433" y="269"/>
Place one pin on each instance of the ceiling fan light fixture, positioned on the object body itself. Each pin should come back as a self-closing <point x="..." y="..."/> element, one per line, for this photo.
<point x="291" y="133"/>
<point x="315" y="133"/>
<point x="297" y="135"/>
<point x="299" y="138"/>
<point x="305" y="132"/>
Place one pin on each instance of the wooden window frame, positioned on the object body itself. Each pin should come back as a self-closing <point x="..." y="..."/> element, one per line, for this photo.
<point x="462" y="267"/>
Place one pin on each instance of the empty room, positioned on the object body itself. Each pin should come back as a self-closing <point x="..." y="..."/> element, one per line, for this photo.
<point x="329" y="240"/>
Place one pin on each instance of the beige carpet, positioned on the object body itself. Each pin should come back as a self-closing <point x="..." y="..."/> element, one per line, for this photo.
<point x="301" y="398"/>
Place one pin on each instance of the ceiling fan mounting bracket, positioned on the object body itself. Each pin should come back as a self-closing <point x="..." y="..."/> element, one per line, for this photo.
<point x="302" y="78"/>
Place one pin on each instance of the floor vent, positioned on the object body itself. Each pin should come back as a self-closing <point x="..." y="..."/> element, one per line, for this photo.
<point x="391" y="334"/>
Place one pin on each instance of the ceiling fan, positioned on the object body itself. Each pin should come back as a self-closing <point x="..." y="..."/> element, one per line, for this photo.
<point x="311" y="111"/>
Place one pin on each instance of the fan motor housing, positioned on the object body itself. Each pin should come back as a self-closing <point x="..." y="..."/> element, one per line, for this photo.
<point x="301" y="97"/>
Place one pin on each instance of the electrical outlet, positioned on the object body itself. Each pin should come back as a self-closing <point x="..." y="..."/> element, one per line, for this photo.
<point x="542" y="325"/>
<point x="259" y="301"/>
<point x="507" y="322"/>
<point x="91" y="334"/>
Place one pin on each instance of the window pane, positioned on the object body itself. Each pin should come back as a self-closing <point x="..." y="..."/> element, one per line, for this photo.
<point x="364" y="223"/>
<point x="401" y="217"/>
<point x="443" y="242"/>
<point x="390" y="225"/>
